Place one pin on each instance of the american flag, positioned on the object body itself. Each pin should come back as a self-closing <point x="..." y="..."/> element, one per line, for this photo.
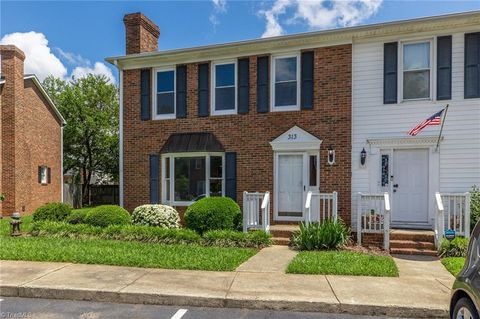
<point x="435" y="119"/>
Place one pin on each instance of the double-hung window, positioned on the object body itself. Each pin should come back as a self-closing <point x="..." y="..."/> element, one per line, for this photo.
<point x="164" y="106"/>
<point x="286" y="84"/>
<point x="224" y="88"/>
<point x="416" y="73"/>
<point x="187" y="177"/>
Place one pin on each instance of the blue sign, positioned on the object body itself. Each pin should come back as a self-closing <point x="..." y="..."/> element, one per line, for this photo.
<point x="450" y="234"/>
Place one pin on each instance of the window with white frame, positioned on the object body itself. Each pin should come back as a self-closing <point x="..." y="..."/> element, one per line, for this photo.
<point x="165" y="94"/>
<point x="416" y="70"/>
<point x="286" y="83"/>
<point x="224" y="88"/>
<point x="190" y="176"/>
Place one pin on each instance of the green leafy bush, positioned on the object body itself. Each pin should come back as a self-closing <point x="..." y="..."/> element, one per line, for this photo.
<point x="52" y="211"/>
<point x="156" y="215"/>
<point x="456" y="248"/>
<point x="474" y="206"/>
<point x="107" y="215"/>
<point x="319" y="236"/>
<point x="77" y="216"/>
<point x="231" y="238"/>
<point x="213" y="213"/>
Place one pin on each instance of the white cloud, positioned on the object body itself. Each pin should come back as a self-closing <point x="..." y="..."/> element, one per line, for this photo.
<point x="318" y="14"/>
<point x="39" y="59"/>
<point x="219" y="7"/>
<point x="99" y="68"/>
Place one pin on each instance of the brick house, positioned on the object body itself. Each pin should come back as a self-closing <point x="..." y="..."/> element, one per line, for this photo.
<point x="30" y="137"/>
<point x="281" y="114"/>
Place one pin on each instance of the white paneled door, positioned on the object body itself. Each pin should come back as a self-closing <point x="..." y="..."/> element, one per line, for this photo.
<point x="290" y="185"/>
<point x="410" y="187"/>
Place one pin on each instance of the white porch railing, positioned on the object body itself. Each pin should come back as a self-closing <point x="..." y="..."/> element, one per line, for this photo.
<point x="373" y="216"/>
<point x="321" y="206"/>
<point x="256" y="211"/>
<point x="453" y="212"/>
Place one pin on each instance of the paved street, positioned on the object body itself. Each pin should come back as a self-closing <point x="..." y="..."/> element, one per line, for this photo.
<point x="59" y="309"/>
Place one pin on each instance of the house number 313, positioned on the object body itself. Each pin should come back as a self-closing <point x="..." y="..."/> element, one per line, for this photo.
<point x="292" y="136"/>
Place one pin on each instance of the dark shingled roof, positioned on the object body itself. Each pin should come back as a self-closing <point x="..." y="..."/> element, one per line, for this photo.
<point x="192" y="142"/>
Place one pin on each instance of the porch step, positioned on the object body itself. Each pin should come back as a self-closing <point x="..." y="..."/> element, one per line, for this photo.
<point x="412" y="244"/>
<point x="412" y="235"/>
<point x="281" y="241"/>
<point x="283" y="231"/>
<point x="412" y="251"/>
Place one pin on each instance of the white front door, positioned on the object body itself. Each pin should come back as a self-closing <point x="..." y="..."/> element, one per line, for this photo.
<point x="410" y="188"/>
<point x="290" y="185"/>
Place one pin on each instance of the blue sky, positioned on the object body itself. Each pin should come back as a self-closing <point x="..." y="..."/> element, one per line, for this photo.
<point x="81" y="34"/>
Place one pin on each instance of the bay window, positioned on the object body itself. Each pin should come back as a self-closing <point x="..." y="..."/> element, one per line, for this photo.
<point x="224" y="89"/>
<point x="164" y="97"/>
<point x="187" y="177"/>
<point x="286" y="84"/>
<point x="416" y="70"/>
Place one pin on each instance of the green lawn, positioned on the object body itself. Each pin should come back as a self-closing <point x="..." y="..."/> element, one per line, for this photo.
<point x="342" y="263"/>
<point x="115" y="252"/>
<point x="453" y="264"/>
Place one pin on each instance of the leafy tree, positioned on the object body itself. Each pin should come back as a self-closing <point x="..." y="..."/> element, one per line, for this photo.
<point x="90" y="107"/>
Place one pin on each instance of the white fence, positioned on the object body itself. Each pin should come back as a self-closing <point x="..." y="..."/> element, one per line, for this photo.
<point x="453" y="212"/>
<point x="256" y="211"/>
<point x="373" y="216"/>
<point x="321" y="206"/>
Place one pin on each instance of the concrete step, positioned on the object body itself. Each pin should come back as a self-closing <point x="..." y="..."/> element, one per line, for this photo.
<point x="412" y="244"/>
<point x="281" y="241"/>
<point x="283" y="231"/>
<point x="413" y="251"/>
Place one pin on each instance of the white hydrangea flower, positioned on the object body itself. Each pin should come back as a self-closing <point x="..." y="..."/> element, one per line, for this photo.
<point x="156" y="215"/>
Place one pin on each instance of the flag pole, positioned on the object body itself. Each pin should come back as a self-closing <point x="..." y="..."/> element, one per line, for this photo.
<point x="441" y="128"/>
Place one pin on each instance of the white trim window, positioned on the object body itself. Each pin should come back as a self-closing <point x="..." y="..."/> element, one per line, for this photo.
<point x="164" y="97"/>
<point x="286" y="83"/>
<point x="187" y="177"/>
<point x="416" y="70"/>
<point x="224" y="90"/>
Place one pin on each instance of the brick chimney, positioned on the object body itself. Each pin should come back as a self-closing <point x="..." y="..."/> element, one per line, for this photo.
<point x="11" y="102"/>
<point x="141" y="33"/>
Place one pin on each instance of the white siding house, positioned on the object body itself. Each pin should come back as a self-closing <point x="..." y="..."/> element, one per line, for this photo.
<point x="413" y="168"/>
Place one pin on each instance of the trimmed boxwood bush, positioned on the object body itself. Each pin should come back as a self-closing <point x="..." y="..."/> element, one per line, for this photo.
<point x="456" y="248"/>
<point x="319" y="236"/>
<point x="77" y="216"/>
<point x="52" y="211"/>
<point x="107" y="215"/>
<point x="213" y="213"/>
<point x="156" y="215"/>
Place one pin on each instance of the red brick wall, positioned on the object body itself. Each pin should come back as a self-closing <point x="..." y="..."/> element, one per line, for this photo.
<point x="249" y="135"/>
<point x="141" y="34"/>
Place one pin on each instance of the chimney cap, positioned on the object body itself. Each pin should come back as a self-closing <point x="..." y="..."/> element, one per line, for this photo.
<point x="138" y="18"/>
<point x="12" y="49"/>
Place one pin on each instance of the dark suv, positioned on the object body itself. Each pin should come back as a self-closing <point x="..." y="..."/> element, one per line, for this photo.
<point x="465" y="299"/>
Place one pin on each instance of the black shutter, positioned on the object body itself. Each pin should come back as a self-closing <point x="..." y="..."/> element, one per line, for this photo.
<point x="145" y="95"/>
<point x="263" y="91"/>
<point x="444" y="68"/>
<point x="203" y="89"/>
<point x="243" y="85"/>
<point x="390" y="61"/>
<point x="154" y="184"/>
<point x="49" y="175"/>
<point x="39" y="174"/>
<point x="307" y="81"/>
<point x="231" y="175"/>
<point x="472" y="65"/>
<point x="181" y="91"/>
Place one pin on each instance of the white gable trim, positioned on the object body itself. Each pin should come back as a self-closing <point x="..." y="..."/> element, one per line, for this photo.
<point x="296" y="139"/>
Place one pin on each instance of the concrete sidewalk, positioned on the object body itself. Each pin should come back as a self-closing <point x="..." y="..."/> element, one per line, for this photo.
<point x="422" y="290"/>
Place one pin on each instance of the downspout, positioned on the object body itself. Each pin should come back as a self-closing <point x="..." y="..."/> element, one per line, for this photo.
<point x="120" y="141"/>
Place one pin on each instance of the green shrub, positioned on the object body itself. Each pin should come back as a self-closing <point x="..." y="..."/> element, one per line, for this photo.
<point x="319" y="236"/>
<point x="456" y="248"/>
<point x="77" y="216"/>
<point x="231" y="238"/>
<point x="156" y="215"/>
<point x="52" y="211"/>
<point x="213" y="213"/>
<point x="474" y="206"/>
<point x="107" y="215"/>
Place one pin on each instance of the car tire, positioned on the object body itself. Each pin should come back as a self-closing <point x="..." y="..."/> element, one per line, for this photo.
<point x="464" y="306"/>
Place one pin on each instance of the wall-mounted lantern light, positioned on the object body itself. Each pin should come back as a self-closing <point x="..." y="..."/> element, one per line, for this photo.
<point x="363" y="157"/>
<point x="331" y="155"/>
